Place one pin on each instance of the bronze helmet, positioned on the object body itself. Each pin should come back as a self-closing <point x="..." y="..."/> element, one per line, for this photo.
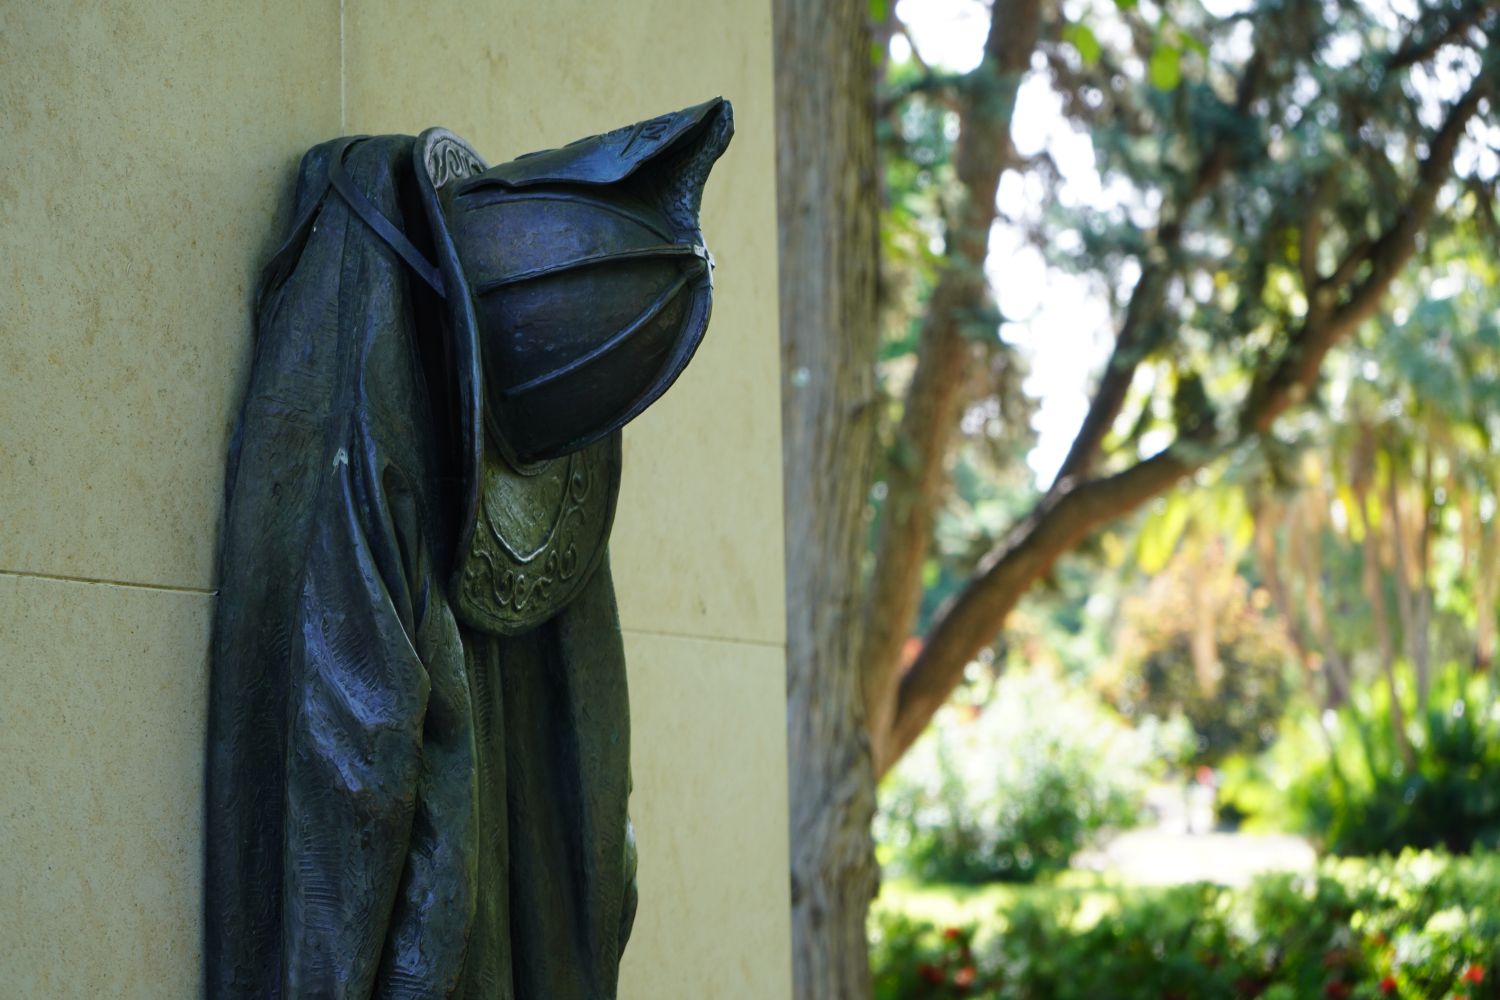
<point x="576" y="279"/>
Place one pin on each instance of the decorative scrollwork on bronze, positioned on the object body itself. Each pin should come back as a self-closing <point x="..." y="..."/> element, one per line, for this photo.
<point x="450" y="159"/>
<point x="540" y="533"/>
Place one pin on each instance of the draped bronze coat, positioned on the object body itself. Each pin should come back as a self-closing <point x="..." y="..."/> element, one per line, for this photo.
<point x="398" y="804"/>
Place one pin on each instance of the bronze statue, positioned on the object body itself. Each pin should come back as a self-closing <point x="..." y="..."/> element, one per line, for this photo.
<point x="418" y="735"/>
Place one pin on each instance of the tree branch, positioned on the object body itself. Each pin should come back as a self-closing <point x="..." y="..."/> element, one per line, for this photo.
<point x="1135" y="341"/>
<point x="1310" y="235"/>
<point x="1132" y="345"/>
<point x="1326" y="323"/>
<point x="960" y="302"/>
<point x="933" y="84"/>
<point x="1419" y="46"/>
<point x="969" y="620"/>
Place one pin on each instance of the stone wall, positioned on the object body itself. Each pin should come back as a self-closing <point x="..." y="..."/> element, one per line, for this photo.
<point x="145" y="174"/>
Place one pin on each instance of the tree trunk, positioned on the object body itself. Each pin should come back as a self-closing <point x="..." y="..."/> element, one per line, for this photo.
<point x="1308" y="528"/>
<point x="829" y="333"/>
<point x="1266" y="516"/>
<point x="1407" y="602"/>
<point x="1422" y="644"/>
<point x="1375" y="591"/>
<point x="1487" y="576"/>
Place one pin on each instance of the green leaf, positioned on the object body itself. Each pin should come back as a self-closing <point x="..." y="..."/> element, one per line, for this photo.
<point x="1082" y="38"/>
<point x="1161" y="532"/>
<point x="1165" y="69"/>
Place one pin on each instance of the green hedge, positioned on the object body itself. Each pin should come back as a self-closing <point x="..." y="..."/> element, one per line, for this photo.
<point x="1422" y="926"/>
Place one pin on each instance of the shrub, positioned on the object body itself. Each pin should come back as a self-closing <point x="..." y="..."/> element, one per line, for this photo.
<point x="1233" y="688"/>
<point x="913" y="960"/>
<point x="1346" y="782"/>
<point x="1013" y="790"/>
<point x="1421" y="926"/>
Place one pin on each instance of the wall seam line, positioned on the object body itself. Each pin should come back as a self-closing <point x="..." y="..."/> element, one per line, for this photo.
<point x="343" y="77"/>
<point x="100" y="582"/>
<point x="731" y="640"/>
<point x="202" y="592"/>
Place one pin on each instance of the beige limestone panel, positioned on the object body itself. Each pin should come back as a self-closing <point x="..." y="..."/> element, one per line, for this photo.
<point x="708" y="751"/>
<point x="102" y="725"/>
<point x="697" y="546"/>
<point x="102" y="701"/>
<point x="145" y="175"/>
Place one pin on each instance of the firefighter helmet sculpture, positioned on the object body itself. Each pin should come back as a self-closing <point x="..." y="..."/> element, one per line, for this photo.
<point x="576" y="288"/>
<point x="576" y="277"/>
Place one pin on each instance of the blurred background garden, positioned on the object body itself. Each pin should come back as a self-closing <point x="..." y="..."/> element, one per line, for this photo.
<point x="1243" y="739"/>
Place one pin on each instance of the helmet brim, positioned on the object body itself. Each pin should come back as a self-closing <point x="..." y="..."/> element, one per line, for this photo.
<point x="441" y="158"/>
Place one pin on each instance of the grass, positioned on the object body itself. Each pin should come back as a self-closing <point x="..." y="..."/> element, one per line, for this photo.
<point x="949" y="905"/>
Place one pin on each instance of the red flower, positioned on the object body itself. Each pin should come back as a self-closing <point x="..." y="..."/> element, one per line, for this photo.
<point x="953" y="934"/>
<point x="964" y="978"/>
<point x="1388" y="985"/>
<point x="930" y="974"/>
<point x="1337" y="989"/>
<point x="1473" y="974"/>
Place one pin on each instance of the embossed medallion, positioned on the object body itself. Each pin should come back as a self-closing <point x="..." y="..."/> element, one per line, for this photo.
<point x="541" y="531"/>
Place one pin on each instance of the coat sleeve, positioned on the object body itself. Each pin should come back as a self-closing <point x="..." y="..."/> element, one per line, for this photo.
<point x="340" y="783"/>
<point x="357" y="697"/>
<point x="380" y="815"/>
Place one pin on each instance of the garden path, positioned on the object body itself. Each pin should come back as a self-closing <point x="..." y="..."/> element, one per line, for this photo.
<point x="1181" y="846"/>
